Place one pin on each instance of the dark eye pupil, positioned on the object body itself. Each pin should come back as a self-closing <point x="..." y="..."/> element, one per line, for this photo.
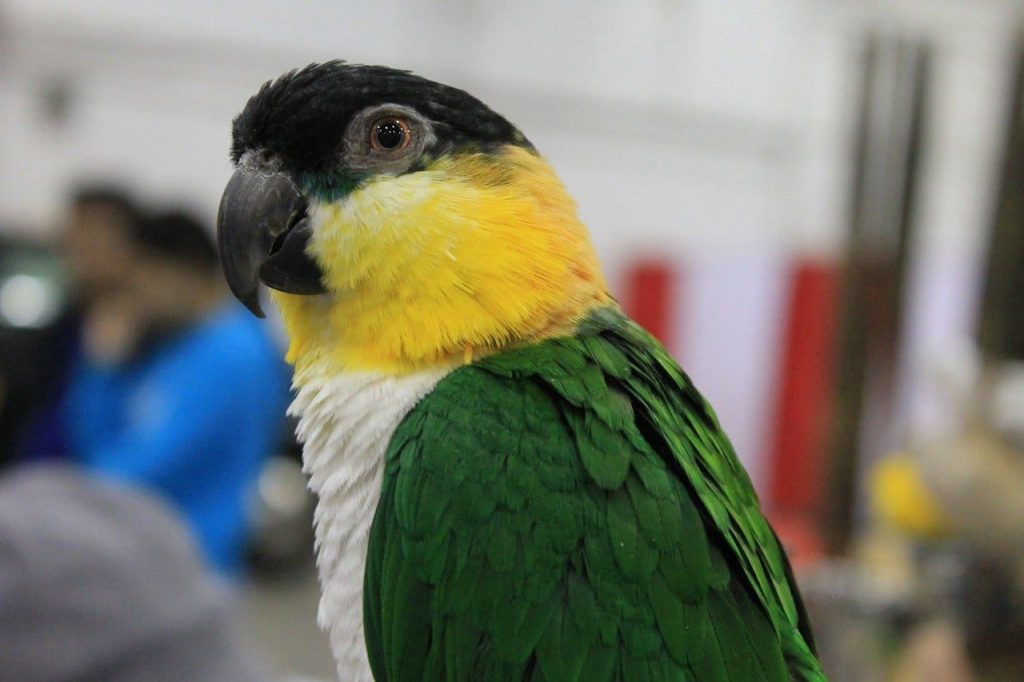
<point x="390" y="134"/>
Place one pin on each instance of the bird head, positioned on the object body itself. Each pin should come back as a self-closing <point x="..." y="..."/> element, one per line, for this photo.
<point x="400" y="223"/>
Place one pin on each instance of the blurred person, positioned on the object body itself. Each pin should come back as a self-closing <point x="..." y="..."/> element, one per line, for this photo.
<point x="95" y="243"/>
<point x="103" y="584"/>
<point x="966" y="490"/>
<point x="177" y="389"/>
<point x="977" y="479"/>
<point x="96" y="255"/>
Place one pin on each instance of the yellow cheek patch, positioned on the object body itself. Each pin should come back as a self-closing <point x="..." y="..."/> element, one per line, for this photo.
<point x="466" y="257"/>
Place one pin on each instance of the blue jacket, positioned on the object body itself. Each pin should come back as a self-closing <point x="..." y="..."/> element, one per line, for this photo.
<point x="194" y="420"/>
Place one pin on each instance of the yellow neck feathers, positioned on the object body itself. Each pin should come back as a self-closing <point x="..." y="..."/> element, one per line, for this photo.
<point x="471" y="255"/>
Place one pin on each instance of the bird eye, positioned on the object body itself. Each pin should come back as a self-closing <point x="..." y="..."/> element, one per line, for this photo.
<point x="385" y="138"/>
<point x="390" y="135"/>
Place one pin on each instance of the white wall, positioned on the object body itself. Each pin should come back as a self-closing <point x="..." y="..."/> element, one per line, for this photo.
<point x="672" y="121"/>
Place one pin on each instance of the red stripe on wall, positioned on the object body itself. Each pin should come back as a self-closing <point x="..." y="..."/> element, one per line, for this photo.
<point x="651" y="298"/>
<point x="804" y="390"/>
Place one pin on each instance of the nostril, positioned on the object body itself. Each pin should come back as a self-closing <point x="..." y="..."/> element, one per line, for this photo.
<point x="266" y="159"/>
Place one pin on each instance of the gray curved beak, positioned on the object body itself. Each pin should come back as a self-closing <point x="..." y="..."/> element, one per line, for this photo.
<point x="263" y="234"/>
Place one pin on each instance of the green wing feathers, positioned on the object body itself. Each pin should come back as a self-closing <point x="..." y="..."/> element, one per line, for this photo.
<point x="572" y="511"/>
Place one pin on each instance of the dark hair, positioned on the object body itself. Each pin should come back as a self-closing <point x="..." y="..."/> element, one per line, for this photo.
<point x="178" y="236"/>
<point x="112" y="196"/>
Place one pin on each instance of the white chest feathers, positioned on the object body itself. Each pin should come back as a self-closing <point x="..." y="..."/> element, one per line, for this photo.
<point x="345" y="424"/>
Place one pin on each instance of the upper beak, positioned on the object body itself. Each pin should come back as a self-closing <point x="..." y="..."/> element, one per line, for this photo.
<point x="263" y="232"/>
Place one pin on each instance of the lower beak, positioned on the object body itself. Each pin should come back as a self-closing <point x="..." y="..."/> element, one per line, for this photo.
<point x="263" y="235"/>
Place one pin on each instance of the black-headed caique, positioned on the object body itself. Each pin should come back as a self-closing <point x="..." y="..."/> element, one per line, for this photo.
<point x="514" y="481"/>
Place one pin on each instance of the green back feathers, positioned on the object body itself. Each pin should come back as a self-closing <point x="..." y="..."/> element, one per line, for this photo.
<point x="572" y="511"/>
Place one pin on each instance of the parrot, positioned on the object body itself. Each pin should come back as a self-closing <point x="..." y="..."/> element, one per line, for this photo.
<point x="513" y="479"/>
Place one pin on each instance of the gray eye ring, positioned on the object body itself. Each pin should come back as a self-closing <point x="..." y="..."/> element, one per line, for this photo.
<point x="362" y="151"/>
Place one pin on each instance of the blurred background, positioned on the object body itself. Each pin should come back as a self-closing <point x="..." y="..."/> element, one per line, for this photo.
<point x="817" y="205"/>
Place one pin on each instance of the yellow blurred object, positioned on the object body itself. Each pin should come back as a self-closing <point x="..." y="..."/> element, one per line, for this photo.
<point x="899" y="497"/>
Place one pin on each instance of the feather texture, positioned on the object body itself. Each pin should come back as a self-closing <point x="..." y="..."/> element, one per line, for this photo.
<point x="345" y="424"/>
<point x="572" y="511"/>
